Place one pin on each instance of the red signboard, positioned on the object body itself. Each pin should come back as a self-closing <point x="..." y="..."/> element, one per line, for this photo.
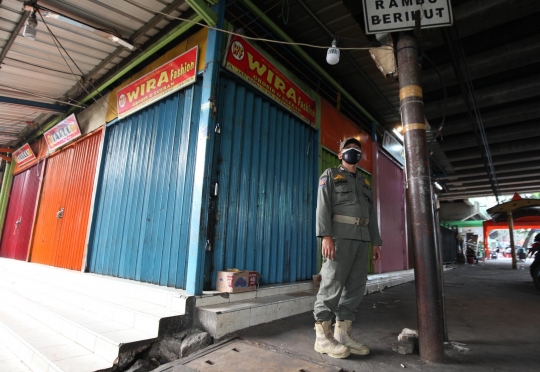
<point x="23" y="155"/>
<point x="62" y="133"/>
<point x="245" y="61"/>
<point x="166" y="79"/>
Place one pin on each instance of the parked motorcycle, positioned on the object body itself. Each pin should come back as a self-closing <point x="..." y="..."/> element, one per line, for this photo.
<point x="535" y="266"/>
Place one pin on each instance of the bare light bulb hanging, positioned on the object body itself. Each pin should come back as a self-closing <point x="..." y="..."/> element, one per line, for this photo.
<point x="332" y="56"/>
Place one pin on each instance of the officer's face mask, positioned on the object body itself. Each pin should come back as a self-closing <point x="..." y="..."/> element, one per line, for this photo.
<point x="351" y="155"/>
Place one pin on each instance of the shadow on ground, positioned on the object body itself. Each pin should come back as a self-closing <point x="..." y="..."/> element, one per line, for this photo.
<point x="491" y="308"/>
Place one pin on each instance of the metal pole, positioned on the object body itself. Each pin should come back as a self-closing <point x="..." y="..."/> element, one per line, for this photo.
<point x="438" y="241"/>
<point x="512" y="245"/>
<point x="428" y="294"/>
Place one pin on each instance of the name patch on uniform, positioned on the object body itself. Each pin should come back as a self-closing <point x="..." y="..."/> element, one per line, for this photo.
<point x="339" y="177"/>
<point x="322" y="182"/>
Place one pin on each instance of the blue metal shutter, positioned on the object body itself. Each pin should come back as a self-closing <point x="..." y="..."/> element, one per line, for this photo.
<point x="140" y="229"/>
<point x="265" y="217"/>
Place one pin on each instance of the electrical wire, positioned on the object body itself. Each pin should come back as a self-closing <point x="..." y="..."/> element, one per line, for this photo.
<point x="58" y="46"/>
<point x="104" y="30"/>
<point x="249" y="37"/>
<point x="43" y="96"/>
<point x="33" y="64"/>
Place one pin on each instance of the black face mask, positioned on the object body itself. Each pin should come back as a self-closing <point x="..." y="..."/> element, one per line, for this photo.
<point x="351" y="156"/>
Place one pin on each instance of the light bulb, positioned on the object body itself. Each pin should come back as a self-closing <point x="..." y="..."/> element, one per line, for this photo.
<point x="332" y="56"/>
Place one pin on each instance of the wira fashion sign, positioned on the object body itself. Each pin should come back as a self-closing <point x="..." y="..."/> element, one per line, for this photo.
<point x="245" y="61"/>
<point x="159" y="83"/>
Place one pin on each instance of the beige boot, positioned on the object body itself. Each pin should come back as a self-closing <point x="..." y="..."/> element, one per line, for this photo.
<point x="326" y="344"/>
<point x="342" y="333"/>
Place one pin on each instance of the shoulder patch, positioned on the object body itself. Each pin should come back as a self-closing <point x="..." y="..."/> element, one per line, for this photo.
<point x="366" y="182"/>
<point x="322" y="182"/>
<point x="339" y="177"/>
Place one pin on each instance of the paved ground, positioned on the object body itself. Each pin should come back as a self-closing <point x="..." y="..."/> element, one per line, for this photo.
<point x="491" y="308"/>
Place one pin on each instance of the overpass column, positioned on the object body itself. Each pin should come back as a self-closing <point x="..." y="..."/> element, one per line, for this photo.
<point x="428" y="293"/>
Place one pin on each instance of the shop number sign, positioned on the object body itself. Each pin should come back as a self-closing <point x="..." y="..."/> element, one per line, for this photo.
<point x="164" y="80"/>
<point x="62" y="133"/>
<point x="245" y="61"/>
<point x="398" y="15"/>
<point x="23" y="155"/>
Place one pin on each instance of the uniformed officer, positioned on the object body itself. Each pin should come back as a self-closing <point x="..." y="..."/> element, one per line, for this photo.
<point x="347" y="222"/>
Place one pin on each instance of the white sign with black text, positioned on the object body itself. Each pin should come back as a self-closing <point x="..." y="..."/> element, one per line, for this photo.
<point x="398" y="15"/>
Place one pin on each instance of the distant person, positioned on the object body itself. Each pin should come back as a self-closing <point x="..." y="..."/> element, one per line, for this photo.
<point x="535" y="248"/>
<point x="472" y="253"/>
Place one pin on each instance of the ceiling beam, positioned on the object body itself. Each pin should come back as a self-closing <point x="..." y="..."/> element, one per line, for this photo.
<point x="5" y="157"/>
<point x="24" y="16"/>
<point x="498" y="160"/>
<point x="500" y="176"/>
<point x="487" y="192"/>
<point x="36" y="104"/>
<point x="473" y="17"/>
<point x="509" y="133"/>
<point x="510" y="91"/>
<point x="494" y="118"/>
<point x="510" y="147"/>
<point x="512" y="181"/>
<point x="513" y="55"/>
<point x="520" y="167"/>
<point x="140" y="32"/>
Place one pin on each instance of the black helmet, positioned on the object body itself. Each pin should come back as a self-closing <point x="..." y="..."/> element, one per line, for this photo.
<point x="537" y="238"/>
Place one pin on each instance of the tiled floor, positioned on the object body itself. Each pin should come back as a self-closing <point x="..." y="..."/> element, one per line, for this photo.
<point x="61" y="320"/>
<point x="9" y="362"/>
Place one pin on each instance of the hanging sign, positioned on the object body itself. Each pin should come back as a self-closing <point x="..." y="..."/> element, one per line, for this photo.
<point x="62" y="133"/>
<point x="164" y="80"/>
<point x="245" y="61"/>
<point x="394" y="147"/>
<point x="23" y="155"/>
<point x="382" y="16"/>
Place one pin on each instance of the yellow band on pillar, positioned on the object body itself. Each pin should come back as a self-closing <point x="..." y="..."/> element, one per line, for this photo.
<point x="414" y="126"/>
<point x="410" y="91"/>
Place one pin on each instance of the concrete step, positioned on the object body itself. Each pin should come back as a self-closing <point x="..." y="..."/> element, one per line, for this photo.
<point x="140" y="315"/>
<point x="40" y="348"/>
<point x="104" y="321"/>
<point x="106" y="339"/>
<point x="110" y="289"/>
<point x="221" y="314"/>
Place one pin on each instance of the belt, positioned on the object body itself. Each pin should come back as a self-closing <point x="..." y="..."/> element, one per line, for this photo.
<point x="359" y="221"/>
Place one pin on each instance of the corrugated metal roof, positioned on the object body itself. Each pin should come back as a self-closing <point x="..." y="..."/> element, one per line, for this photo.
<point x="36" y="70"/>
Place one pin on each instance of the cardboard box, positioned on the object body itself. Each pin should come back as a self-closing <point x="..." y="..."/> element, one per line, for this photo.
<point x="236" y="282"/>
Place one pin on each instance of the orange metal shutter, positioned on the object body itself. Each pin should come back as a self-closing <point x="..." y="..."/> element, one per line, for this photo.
<point x="62" y="223"/>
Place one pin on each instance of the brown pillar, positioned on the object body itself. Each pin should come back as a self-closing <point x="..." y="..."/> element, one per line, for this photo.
<point x="512" y="245"/>
<point x="428" y="294"/>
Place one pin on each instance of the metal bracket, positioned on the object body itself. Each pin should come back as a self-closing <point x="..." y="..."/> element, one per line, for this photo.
<point x="18" y="222"/>
<point x="60" y="213"/>
<point x="208" y="246"/>
<point x="217" y="129"/>
<point x="213" y="108"/>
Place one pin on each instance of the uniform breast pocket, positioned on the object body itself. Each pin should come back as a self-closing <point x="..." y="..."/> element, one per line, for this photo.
<point x="343" y="193"/>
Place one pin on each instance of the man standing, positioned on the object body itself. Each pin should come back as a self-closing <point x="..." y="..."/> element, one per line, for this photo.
<point x="347" y="222"/>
